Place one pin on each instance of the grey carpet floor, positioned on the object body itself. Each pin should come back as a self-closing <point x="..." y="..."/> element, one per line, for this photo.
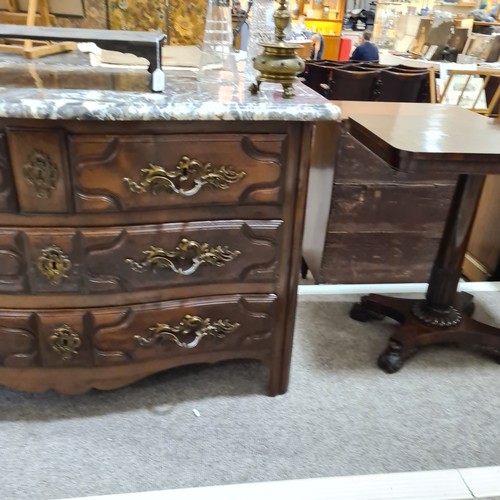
<point x="341" y="416"/>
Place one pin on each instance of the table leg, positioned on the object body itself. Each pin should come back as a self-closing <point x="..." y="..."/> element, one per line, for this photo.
<point x="444" y="315"/>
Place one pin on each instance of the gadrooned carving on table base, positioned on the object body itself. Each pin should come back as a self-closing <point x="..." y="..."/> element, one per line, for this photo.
<point x="431" y="317"/>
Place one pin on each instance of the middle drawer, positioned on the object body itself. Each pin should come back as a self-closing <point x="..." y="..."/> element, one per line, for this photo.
<point x="137" y="258"/>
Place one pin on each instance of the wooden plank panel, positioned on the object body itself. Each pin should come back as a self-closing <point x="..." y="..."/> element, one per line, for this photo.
<point x="378" y="258"/>
<point x="394" y="208"/>
<point x="356" y="162"/>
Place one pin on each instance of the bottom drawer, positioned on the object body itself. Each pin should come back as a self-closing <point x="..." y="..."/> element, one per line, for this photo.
<point x="204" y="329"/>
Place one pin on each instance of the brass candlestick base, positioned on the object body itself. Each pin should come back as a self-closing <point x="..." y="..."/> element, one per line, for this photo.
<point x="279" y="63"/>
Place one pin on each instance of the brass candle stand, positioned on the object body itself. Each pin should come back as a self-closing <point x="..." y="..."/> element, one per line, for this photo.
<point x="278" y="63"/>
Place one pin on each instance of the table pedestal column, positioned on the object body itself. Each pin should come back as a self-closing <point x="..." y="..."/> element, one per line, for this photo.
<point x="444" y="315"/>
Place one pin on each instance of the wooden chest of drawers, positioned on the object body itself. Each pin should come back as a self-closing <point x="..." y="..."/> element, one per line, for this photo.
<point x="127" y="248"/>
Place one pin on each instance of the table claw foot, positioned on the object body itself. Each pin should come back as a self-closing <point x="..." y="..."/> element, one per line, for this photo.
<point x="391" y="360"/>
<point x="494" y="355"/>
<point x="360" y="313"/>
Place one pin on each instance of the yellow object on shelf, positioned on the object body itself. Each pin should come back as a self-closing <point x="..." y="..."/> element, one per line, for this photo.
<point x="325" y="27"/>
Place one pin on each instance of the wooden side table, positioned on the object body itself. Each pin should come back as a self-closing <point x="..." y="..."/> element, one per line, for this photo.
<point x="433" y="138"/>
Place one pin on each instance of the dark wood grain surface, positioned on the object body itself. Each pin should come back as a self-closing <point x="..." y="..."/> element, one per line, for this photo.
<point x="406" y="135"/>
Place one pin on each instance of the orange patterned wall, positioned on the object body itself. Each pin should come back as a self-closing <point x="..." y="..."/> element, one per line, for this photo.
<point x="139" y="15"/>
<point x="96" y="16"/>
<point x="182" y="20"/>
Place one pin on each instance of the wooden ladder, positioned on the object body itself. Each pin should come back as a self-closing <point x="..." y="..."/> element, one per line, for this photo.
<point x="38" y="14"/>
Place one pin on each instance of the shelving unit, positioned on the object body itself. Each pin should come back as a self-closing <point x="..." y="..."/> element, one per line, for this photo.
<point x="386" y="18"/>
<point x="468" y="5"/>
<point x="327" y="19"/>
<point x="460" y="9"/>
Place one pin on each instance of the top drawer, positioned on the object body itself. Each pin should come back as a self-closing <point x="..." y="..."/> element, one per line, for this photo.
<point x="116" y="173"/>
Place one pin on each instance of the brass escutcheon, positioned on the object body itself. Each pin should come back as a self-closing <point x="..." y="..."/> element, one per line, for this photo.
<point x="53" y="264"/>
<point x="41" y="173"/>
<point x="189" y="326"/>
<point x="186" y="179"/>
<point x="185" y="259"/>
<point x="65" y="342"/>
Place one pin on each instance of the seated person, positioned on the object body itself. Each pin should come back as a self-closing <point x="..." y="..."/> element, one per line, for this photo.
<point x="366" y="50"/>
<point x="317" y="47"/>
<point x="236" y="8"/>
<point x="494" y="11"/>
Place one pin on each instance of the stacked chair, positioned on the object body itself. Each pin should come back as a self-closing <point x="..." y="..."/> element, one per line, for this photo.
<point x="352" y="84"/>
<point x="401" y="86"/>
<point x="370" y="81"/>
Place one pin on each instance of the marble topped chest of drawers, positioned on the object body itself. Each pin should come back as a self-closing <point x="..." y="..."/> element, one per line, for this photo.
<point x="135" y="245"/>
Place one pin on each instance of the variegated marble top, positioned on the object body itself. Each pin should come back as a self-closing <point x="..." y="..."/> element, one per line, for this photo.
<point x="65" y="86"/>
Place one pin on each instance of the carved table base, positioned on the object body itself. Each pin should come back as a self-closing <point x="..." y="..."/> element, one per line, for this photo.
<point x="417" y="329"/>
<point x="419" y="139"/>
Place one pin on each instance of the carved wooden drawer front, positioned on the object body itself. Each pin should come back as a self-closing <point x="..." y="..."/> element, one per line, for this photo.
<point x="63" y="338"/>
<point x="18" y="342"/>
<point x="39" y="164"/>
<point x="45" y="338"/>
<point x="133" y="258"/>
<point x="126" y="173"/>
<point x="232" y="324"/>
<point x="7" y="191"/>
<point x="13" y="264"/>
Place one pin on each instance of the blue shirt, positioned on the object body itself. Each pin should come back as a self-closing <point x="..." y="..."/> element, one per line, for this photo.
<point x="365" y="52"/>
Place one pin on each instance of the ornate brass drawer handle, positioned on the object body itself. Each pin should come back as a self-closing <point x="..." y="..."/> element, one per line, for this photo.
<point x="53" y="264"/>
<point x="188" y="327"/>
<point x="65" y="342"/>
<point x="185" y="259"/>
<point x="41" y="173"/>
<point x="186" y="179"/>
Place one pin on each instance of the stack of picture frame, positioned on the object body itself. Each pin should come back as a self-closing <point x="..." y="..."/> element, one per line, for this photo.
<point x="37" y="13"/>
<point x="431" y="42"/>
<point x="483" y="47"/>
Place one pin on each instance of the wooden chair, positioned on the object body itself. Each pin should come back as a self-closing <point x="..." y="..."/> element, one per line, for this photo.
<point x="315" y="75"/>
<point x="413" y="69"/>
<point x="428" y="93"/>
<point x="346" y="85"/>
<point x="492" y="91"/>
<point x="489" y="88"/>
<point x="374" y="65"/>
<point x="401" y="87"/>
<point x="328" y="62"/>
